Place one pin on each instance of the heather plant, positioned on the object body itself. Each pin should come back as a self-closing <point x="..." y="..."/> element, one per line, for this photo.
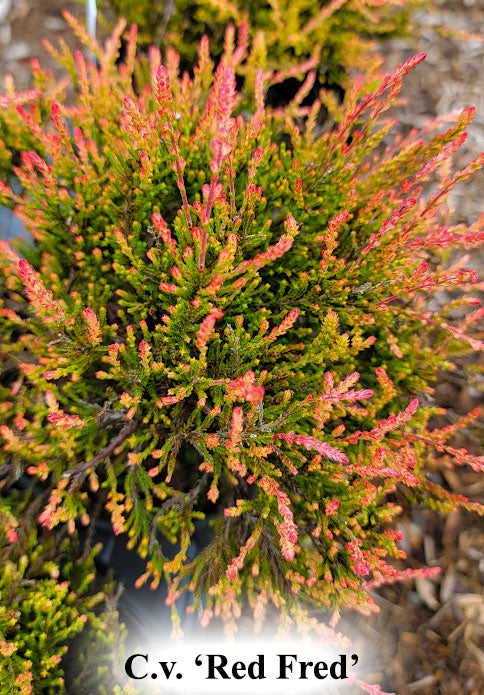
<point x="15" y="134"/>
<point x="335" y="35"/>
<point x="47" y="599"/>
<point x="225" y="314"/>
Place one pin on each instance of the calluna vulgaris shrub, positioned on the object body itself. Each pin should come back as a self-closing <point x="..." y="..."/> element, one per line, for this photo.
<point x="335" y="34"/>
<point x="290" y="39"/>
<point x="225" y="313"/>
<point x="41" y="611"/>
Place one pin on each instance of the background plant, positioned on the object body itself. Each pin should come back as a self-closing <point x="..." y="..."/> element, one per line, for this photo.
<point x="337" y="35"/>
<point x="48" y="602"/>
<point x="225" y="313"/>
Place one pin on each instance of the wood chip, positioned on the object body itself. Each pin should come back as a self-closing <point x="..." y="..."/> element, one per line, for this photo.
<point x="447" y="588"/>
<point x="424" y="682"/>
<point x="426" y="591"/>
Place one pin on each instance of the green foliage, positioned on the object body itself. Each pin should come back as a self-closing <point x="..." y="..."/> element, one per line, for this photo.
<point x="46" y="600"/>
<point x="210" y="280"/>
<point x="336" y="34"/>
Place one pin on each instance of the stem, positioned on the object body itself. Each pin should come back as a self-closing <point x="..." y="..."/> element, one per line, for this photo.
<point x="180" y="180"/>
<point x="129" y="429"/>
<point x="206" y="218"/>
<point x="232" y="189"/>
<point x="203" y="250"/>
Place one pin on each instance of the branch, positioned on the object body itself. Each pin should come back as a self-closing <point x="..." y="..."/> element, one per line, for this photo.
<point x="129" y="429"/>
<point x="184" y="499"/>
<point x="5" y="470"/>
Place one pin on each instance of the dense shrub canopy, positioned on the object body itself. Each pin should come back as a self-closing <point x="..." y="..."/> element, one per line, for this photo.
<point x="43" y="607"/>
<point x="224" y="313"/>
<point x="335" y="35"/>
